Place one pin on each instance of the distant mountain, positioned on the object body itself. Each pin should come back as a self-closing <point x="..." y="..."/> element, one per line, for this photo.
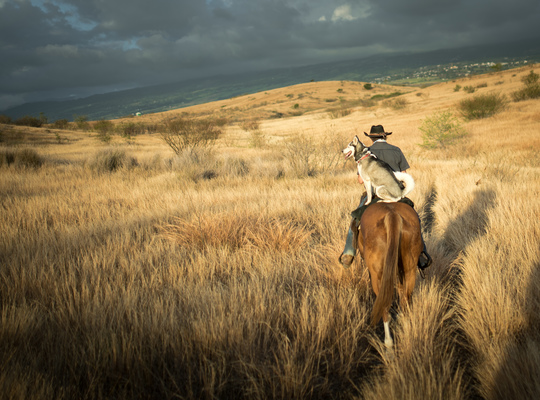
<point x="390" y="68"/>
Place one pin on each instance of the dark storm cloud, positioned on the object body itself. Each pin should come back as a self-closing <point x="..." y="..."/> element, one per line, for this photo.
<point x="62" y="47"/>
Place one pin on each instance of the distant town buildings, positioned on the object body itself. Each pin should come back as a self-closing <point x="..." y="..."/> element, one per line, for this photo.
<point x="447" y="72"/>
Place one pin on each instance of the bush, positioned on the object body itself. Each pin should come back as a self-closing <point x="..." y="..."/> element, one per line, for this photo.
<point x="531" y="89"/>
<point x="24" y="158"/>
<point x="4" y="119"/>
<point x="469" y="89"/>
<point x="111" y="160"/>
<point x="386" y="96"/>
<point x="257" y="139"/>
<point x="250" y="125"/>
<point x="82" y="122"/>
<point x="195" y="164"/>
<point x="60" y="124"/>
<point x="396" y="104"/>
<point x="441" y="130"/>
<point x="7" y="157"/>
<point x="306" y="159"/>
<point x="132" y="129"/>
<point x="457" y="88"/>
<point x="339" y="112"/>
<point x="368" y="86"/>
<point x="235" y="167"/>
<point x="27" y="120"/>
<point x="482" y="106"/>
<point x="103" y="126"/>
<point x="187" y="133"/>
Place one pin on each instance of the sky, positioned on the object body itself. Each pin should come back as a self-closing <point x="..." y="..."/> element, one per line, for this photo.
<point x="59" y="49"/>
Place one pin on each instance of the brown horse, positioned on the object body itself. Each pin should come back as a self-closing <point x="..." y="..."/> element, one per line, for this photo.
<point x="390" y="243"/>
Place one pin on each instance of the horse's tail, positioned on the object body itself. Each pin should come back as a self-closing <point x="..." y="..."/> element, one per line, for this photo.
<point x="393" y="224"/>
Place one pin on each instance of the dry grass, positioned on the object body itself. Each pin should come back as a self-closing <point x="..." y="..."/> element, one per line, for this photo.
<point x="159" y="279"/>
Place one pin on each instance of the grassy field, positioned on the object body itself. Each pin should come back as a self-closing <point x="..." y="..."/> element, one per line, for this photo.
<point x="214" y="274"/>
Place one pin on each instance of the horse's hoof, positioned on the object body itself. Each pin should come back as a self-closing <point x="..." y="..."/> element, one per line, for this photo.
<point x="346" y="260"/>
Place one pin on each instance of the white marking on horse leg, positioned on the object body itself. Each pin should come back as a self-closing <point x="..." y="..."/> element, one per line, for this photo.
<point x="388" y="342"/>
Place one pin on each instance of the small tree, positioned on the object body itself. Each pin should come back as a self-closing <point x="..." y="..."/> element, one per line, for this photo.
<point x="441" y="130"/>
<point x="497" y="67"/>
<point x="531" y="89"/>
<point x="82" y="122"/>
<point x="60" y="124"/>
<point x="187" y="133"/>
<point x="43" y="118"/>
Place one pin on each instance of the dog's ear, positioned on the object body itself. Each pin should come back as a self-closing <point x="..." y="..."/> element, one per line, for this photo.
<point x="356" y="140"/>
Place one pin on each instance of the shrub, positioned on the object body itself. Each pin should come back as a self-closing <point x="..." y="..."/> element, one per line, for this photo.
<point x="82" y="122"/>
<point x="4" y="119"/>
<point x="103" y="126"/>
<point x="368" y="86"/>
<point x="43" y="118"/>
<point x="132" y="129"/>
<point x="235" y="167"/>
<point x="27" y="120"/>
<point x="469" y="89"/>
<point x="24" y="158"/>
<point x="531" y="89"/>
<point x="185" y="133"/>
<point x="457" y="88"/>
<point x="60" y="124"/>
<point x="257" y="139"/>
<point x="386" y="96"/>
<point x="28" y="158"/>
<point x="110" y="160"/>
<point x="339" y="112"/>
<point x="7" y="157"/>
<point x="195" y="164"/>
<point x="307" y="159"/>
<point x="396" y="104"/>
<point x="440" y="130"/>
<point x="250" y="125"/>
<point x="482" y="106"/>
<point x="222" y="121"/>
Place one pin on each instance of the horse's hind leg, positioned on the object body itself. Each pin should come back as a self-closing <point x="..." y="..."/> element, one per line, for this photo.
<point x="406" y="289"/>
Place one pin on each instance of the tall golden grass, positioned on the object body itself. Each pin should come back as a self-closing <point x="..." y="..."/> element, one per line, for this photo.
<point x="215" y="275"/>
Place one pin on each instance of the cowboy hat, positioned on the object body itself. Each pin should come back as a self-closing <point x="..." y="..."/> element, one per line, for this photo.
<point x="377" y="131"/>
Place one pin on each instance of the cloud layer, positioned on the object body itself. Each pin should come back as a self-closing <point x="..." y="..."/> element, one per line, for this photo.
<point x="79" y="47"/>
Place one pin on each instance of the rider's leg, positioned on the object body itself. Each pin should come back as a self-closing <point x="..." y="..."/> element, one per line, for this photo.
<point x="347" y="257"/>
<point x="424" y="260"/>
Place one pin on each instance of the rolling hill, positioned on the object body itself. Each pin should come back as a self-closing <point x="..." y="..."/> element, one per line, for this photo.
<point x="411" y="69"/>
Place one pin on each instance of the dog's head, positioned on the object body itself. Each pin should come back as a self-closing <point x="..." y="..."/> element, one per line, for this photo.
<point x="355" y="149"/>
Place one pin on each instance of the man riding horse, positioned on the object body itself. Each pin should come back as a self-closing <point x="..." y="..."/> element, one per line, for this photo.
<point x="394" y="157"/>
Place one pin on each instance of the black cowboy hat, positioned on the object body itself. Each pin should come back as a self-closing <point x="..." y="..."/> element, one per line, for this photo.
<point x="377" y="131"/>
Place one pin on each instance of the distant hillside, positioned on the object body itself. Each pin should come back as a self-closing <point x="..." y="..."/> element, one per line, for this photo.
<point x="413" y="69"/>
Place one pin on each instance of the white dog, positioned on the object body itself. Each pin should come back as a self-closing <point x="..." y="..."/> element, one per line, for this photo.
<point x="379" y="178"/>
